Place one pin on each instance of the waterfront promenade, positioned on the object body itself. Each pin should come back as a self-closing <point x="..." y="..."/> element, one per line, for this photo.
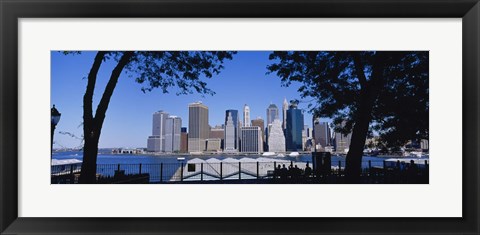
<point x="121" y="169"/>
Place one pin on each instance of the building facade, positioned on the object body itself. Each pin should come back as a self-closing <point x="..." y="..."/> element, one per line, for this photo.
<point x="233" y="132"/>
<point x="173" y="129"/>
<point x="251" y="139"/>
<point x="272" y="113"/>
<point x="218" y="132"/>
<point x="184" y="140"/>
<point x="276" y="138"/>
<point x="214" y="145"/>
<point x="321" y="133"/>
<point x="284" y="112"/>
<point x="342" y="142"/>
<point x="260" y="123"/>
<point x="246" y="116"/>
<point x="294" y="128"/>
<point x="198" y="127"/>
<point x="156" y="142"/>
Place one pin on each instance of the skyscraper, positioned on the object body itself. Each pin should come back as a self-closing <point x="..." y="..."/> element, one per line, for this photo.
<point x="272" y="113"/>
<point x="251" y="139"/>
<point x="172" y="134"/>
<point x="294" y="128"/>
<point x="284" y="112"/>
<point x="156" y="142"/>
<point x="276" y="139"/>
<point x="246" y="116"/>
<point x="230" y="131"/>
<point x="184" y="140"/>
<point x="321" y="133"/>
<point x="304" y="136"/>
<point x="342" y="141"/>
<point x="260" y="123"/>
<point x="235" y="122"/>
<point x="198" y="127"/>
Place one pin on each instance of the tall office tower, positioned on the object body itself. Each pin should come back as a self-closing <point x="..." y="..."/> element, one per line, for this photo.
<point x="272" y="113"/>
<point x="246" y="116"/>
<point x="230" y="131"/>
<point x="260" y="123"/>
<point x="173" y="128"/>
<point x="304" y="136"/>
<point x="276" y="138"/>
<point x="284" y="111"/>
<point x="156" y="142"/>
<point x="294" y="128"/>
<point x="184" y="140"/>
<point x="198" y="127"/>
<point x="321" y="133"/>
<point x="251" y="139"/>
<point x="236" y="125"/>
<point x="342" y="142"/>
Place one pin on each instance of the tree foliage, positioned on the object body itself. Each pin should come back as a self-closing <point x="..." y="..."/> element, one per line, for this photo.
<point x="336" y="80"/>
<point x="153" y="69"/>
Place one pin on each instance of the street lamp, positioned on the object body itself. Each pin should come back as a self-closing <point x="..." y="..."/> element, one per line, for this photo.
<point x="55" y="115"/>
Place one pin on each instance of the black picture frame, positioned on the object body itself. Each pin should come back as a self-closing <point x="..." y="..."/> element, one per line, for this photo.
<point x="11" y="11"/>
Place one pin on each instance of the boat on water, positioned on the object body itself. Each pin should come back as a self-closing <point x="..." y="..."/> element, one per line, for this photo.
<point x="280" y="155"/>
<point x="294" y="154"/>
<point x="180" y="158"/>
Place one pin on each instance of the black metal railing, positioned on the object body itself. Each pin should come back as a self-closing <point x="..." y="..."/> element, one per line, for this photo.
<point x="279" y="171"/>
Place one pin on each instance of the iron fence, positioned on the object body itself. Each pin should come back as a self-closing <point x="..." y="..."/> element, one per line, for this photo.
<point x="280" y="171"/>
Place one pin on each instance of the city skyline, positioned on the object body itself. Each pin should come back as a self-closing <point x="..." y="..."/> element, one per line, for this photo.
<point x="129" y="114"/>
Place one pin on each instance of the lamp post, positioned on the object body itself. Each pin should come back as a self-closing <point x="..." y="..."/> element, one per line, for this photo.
<point x="55" y="118"/>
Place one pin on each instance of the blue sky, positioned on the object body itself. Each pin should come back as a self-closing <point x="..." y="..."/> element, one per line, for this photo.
<point x="129" y="116"/>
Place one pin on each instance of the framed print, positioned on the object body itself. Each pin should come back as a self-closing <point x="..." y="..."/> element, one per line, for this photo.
<point x="201" y="117"/>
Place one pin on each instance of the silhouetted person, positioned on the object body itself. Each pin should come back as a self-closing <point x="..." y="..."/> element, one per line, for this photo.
<point x="277" y="172"/>
<point x="283" y="173"/>
<point x="308" y="171"/>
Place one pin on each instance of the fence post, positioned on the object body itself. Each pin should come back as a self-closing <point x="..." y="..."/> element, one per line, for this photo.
<point x="274" y="169"/>
<point x="339" y="167"/>
<point x="426" y="167"/>
<point x="384" y="168"/>
<point x="258" y="174"/>
<point x="161" y="172"/>
<point x="181" y="173"/>
<point x="72" y="177"/>
<point x="201" y="171"/>
<point x="140" y="169"/>
<point x="239" y="171"/>
<point x="118" y="167"/>
<point x="221" y="171"/>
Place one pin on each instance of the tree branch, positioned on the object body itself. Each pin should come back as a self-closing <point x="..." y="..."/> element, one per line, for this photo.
<point x="107" y="94"/>
<point x="359" y="69"/>
<point x="88" y="96"/>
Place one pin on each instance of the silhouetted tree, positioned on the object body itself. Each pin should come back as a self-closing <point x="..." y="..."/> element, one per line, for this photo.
<point x="154" y="69"/>
<point x="381" y="91"/>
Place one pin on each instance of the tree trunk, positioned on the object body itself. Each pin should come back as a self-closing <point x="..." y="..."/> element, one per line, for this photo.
<point x="368" y="95"/>
<point x="359" y="135"/>
<point x="92" y="126"/>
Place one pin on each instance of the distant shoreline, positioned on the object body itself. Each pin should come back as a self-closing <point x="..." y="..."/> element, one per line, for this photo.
<point x="153" y="154"/>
